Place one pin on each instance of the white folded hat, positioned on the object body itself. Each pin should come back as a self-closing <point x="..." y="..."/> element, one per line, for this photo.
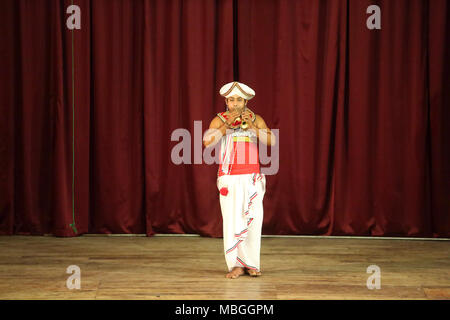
<point x="237" y="88"/>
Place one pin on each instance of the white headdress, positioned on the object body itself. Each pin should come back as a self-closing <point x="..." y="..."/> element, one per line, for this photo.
<point x="237" y="88"/>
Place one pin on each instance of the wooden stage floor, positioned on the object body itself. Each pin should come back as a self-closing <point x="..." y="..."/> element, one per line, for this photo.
<point x="189" y="267"/>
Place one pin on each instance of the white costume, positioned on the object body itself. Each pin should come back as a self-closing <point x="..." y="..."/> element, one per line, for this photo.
<point x="242" y="188"/>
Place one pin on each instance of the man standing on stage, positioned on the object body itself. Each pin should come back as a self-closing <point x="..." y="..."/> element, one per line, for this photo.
<point x="240" y="182"/>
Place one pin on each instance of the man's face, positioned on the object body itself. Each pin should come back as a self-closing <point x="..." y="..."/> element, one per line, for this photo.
<point x="236" y="103"/>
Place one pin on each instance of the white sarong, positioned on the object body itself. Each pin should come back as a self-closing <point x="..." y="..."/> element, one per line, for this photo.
<point x="242" y="213"/>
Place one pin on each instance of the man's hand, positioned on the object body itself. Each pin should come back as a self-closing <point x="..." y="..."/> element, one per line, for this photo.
<point x="246" y="117"/>
<point x="232" y="117"/>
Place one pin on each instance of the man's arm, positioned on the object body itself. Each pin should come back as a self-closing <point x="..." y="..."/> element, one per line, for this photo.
<point x="217" y="129"/>
<point x="263" y="132"/>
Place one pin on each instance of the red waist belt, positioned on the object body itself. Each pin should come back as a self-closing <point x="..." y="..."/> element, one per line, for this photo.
<point x="245" y="159"/>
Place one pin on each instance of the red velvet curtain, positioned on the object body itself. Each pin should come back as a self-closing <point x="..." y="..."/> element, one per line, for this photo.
<point x="362" y="114"/>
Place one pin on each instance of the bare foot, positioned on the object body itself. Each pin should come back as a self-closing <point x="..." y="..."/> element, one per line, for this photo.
<point x="253" y="273"/>
<point x="235" y="273"/>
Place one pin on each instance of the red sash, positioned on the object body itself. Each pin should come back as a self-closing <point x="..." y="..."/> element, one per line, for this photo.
<point x="245" y="159"/>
